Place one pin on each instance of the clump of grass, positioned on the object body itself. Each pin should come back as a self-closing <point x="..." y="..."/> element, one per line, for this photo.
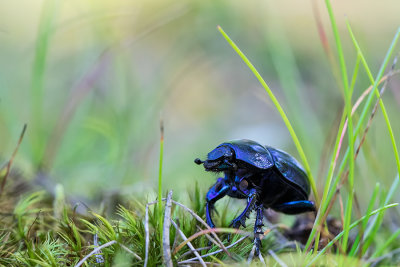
<point x="35" y="237"/>
<point x="331" y="191"/>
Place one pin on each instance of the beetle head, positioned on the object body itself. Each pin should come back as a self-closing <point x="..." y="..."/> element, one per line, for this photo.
<point x="220" y="159"/>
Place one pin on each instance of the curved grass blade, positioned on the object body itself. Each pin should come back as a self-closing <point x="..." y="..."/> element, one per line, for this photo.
<point x="280" y="110"/>
<point x="354" y="224"/>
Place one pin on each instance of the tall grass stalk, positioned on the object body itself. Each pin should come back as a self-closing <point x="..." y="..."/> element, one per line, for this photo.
<point x="371" y="78"/>
<point x="38" y="73"/>
<point x="361" y="121"/>
<point x="359" y="239"/>
<point x="159" y="206"/>
<point x="324" y="204"/>
<point x="288" y="73"/>
<point x="280" y="110"/>
<point x="354" y="224"/>
<point x="348" y="105"/>
<point x="374" y="226"/>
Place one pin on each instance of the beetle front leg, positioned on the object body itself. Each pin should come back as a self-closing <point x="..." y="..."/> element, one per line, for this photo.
<point x="241" y="219"/>
<point x="216" y="192"/>
<point x="258" y="228"/>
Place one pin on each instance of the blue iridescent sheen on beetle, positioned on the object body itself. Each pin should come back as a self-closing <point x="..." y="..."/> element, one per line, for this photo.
<point x="265" y="176"/>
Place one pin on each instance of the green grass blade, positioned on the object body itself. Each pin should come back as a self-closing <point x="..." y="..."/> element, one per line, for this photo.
<point x="382" y="248"/>
<point x="368" y="103"/>
<point x="366" y="107"/>
<point x="324" y="203"/>
<point x="356" y="243"/>
<point x="371" y="232"/>
<point x="159" y="205"/>
<point x="280" y="110"/>
<point x="348" y="104"/>
<point x="375" y="90"/>
<point x="38" y="73"/>
<point x="376" y="82"/>
<point x="354" y="224"/>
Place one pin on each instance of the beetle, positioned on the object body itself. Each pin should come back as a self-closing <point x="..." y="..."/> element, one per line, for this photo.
<point x="265" y="176"/>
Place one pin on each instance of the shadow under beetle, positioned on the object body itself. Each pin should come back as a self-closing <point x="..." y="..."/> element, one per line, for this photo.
<point x="265" y="176"/>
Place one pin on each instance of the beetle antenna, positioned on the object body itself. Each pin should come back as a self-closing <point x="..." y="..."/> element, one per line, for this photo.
<point x="198" y="161"/>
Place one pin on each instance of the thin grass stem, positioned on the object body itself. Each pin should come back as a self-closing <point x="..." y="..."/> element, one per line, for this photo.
<point x="354" y="224"/>
<point x="348" y="106"/>
<point x="159" y="208"/>
<point x="280" y="110"/>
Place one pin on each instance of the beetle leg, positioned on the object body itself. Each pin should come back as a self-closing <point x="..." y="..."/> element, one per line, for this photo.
<point x="295" y="207"/>
<point x="258" y="228"/>
<point x="241" y="219"/>
<point x="216" y="192"/>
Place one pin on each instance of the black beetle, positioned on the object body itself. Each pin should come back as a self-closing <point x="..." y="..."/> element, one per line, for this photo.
<point x="265" y="176"/>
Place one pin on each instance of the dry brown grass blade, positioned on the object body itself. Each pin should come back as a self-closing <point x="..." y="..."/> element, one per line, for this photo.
<point x="189" y="244"/>
<point x="358" y="103"/>
<point x="216" y="252"/>
<point x="206" y="231"/>
<point x="8" y="166"/>
<point x="33" y="223"/>
<point x="167" y="224"/>
<point x="217" y="241"/>
<point x="197" y="217"/>
<point x="385" y="80"/>
<point x="190" y="252"/>
<point x="376" y="106"/>
<point x="78" y="93"/>
<point x="194" y="263"/>
<point x="325" y="44"/>
<point x="94" y="252"/>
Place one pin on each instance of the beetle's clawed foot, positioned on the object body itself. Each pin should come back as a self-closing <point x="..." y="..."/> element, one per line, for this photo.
<point x="236" y="223"/>
<point x="239" y="221"/>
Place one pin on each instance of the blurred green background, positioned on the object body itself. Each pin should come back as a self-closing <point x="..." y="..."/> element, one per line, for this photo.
<point x="93" y="78"/>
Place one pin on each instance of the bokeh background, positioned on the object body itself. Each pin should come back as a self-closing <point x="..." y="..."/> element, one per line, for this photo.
<point x="93" y="79"/>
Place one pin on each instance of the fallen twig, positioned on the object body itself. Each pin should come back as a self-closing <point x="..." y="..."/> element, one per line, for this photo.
<point x="167" y="224"/>
<point x="188" y="243"/>
<point x="196" y="262"/>
<point x="251" y="255"/>
<point x="147" y="235"/>
<point x="278" y="260"/>
<point x="210" y="230"/>
<point x="197" y="217"/>
<point x="262" y="259"/>
<point x="95" y="251"/>
<point x="99" y="257"/>
<point x="130" y="251"/>
<point x="215" y="252"/>
<point x="217" y="241"/>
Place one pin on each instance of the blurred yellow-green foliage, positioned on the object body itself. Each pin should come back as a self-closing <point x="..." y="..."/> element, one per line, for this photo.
<point x="93" y="78"/>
